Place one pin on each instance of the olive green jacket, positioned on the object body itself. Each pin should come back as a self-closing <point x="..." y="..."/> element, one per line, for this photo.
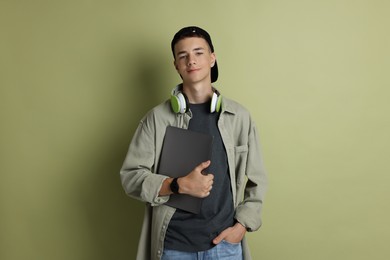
<point x="247" y="174"/>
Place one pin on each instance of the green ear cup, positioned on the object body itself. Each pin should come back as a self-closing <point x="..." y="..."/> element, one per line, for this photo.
<point x="218" y="105"/>
<point x="175" y="103"/>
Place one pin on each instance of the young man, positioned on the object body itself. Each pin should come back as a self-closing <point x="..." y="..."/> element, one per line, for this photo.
<point x="234" y="186"/>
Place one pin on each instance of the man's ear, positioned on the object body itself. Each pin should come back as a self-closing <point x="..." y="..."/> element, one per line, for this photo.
<point x="213" y="59"/>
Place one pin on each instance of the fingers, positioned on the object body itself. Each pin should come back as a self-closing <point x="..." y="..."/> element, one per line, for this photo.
<point x="233" y="234"/>
<point x="220" y="237"/>
<point x="209" y="185"/>
<point x="208" y="191"/>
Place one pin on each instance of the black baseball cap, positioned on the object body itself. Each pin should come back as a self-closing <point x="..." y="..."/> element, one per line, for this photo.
<point x="194" y="31"/>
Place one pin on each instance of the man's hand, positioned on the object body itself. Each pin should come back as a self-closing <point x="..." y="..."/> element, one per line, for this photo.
<point x="232" y="234"/>
<point x="196" y="183"/>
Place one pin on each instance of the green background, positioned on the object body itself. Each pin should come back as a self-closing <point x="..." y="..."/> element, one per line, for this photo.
<point x="77" y="76"/>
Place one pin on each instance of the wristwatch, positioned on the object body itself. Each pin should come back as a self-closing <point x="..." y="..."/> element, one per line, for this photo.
<point x="174" y="186"/>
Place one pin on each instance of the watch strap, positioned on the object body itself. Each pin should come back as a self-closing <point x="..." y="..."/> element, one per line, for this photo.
<point x="174" y="186"/>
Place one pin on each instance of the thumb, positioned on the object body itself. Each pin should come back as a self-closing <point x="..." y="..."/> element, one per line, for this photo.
<point x="203" y="165"/>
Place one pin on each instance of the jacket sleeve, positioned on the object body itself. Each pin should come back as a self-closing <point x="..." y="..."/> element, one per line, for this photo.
<point x="248" y="212"/>
<point x="137" y="173"/>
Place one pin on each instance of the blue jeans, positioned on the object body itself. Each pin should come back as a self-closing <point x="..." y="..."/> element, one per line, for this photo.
<point x="222" y="251"/>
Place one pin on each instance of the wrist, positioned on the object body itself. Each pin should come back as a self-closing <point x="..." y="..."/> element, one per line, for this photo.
<point x="240" y="226"/>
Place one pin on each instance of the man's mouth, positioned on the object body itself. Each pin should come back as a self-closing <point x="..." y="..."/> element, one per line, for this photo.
<point x="192" y="70"/>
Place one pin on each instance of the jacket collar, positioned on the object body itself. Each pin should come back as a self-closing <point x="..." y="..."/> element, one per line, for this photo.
<point x="228" y="106"/>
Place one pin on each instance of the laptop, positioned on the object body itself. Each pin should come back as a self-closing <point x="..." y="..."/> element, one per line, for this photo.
<point x="182" y="151"/>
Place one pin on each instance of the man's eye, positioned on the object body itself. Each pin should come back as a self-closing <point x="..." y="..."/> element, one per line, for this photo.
<point x="199" y="53"/>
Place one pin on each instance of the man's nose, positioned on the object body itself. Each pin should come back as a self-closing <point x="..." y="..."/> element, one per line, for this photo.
<point x="191" y="59"/>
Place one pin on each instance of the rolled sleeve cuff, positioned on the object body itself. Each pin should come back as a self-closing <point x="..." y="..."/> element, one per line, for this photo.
<point x="151" y="188"/>
<point x="248" y="218"/>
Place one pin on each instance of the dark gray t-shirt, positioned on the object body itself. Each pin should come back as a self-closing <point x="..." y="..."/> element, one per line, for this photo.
<point x="193" y="233"/>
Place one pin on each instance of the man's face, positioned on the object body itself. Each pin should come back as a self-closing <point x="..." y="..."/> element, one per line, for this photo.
<point x="193" y="60"/>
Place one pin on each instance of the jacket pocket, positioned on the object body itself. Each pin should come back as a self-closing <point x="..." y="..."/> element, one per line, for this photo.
<point x="240" y="159"/>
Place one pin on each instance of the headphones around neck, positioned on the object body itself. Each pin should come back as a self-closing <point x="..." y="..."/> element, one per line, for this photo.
<point x="180" y="104"/>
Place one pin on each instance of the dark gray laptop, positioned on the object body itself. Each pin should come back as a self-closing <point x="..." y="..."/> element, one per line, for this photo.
<point x="182" y="151"/>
